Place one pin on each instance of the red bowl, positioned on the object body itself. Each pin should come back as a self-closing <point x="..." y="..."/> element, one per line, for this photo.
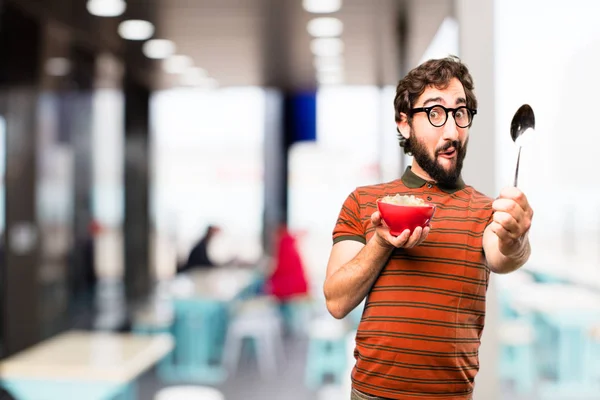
<point x="399" y="218"/>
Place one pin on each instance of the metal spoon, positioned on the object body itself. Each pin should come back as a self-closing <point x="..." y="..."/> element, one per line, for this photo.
<point x="523" y="120"/>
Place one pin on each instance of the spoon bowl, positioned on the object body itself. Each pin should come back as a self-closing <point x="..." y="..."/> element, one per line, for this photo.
<point x="523" y="121"/>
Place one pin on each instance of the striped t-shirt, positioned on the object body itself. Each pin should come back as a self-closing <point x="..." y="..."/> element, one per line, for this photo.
<point x="420" y="330"/>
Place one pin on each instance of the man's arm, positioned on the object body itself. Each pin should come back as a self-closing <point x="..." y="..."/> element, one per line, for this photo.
<point x="500" y="263"/>
<point x="351" y="271"/>
<point x="353" y="267"/>
<point x="505" y="239"/>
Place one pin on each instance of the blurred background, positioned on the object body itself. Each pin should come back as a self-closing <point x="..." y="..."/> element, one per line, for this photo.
<point x="171" y="172"/>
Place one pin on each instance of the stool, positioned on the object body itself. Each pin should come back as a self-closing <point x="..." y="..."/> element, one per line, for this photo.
<point x="189" y="393"/>
<point x="327" y="351"/>
<point x="257" y="319"/>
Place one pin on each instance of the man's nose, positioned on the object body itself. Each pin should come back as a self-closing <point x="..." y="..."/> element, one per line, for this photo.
<point x="450" y="128"/>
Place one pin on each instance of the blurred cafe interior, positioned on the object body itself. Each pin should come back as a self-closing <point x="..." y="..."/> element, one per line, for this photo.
<point x="172" y="170"/>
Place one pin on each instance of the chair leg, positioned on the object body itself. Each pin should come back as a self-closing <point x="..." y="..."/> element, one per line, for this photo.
<point x="232" y="350"/>
<point x="266" y="356"/>
<point x="312" y="373"/>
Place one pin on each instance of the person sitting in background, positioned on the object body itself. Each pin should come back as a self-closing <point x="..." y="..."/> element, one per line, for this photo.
<point x="199" y="257"/>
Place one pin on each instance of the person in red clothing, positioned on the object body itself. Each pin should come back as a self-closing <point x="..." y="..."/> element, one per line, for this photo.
<point x="287" y="279"/>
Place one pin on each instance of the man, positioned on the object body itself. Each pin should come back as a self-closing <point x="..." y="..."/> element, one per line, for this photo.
<point x="199" y="257"/>
<point x="419" y="334"/>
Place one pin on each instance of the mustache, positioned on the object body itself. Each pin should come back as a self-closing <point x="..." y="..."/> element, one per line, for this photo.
<point x="452" y="143"/>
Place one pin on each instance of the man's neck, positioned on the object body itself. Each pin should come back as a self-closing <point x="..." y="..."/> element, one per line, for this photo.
<point x="417" y="170"/>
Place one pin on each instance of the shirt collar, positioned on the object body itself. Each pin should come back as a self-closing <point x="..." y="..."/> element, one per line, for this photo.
<point x="413" y="181"/>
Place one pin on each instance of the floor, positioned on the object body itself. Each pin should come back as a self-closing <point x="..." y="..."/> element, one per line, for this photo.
<point x="247" y="384"/>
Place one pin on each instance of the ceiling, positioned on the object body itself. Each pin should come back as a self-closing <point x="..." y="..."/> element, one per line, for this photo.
<point x="241" y="42"/>
<point x="266" y="43"/>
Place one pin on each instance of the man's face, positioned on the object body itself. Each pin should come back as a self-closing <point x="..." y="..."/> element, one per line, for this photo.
<point x="438" y="151"/>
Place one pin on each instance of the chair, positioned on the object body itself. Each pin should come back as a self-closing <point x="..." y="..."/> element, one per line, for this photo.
<point x="198" y="329"/>
<point x="189" y="393"/>
<point x="592" y="358"/>
<point x="296" y="312"/>
<point x="327" y="351"/>
<point x="517" y="361"/>
<point x="152" y="321"/>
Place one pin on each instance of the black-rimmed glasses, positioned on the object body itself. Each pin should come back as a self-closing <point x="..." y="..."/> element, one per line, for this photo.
<point x="438" y="115"/>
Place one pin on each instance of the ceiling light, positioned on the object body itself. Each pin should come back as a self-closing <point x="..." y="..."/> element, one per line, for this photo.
<point x="327" y="47"/>
<point x="177" y="64"/>
<point x="332" y="68"/>
<point x="158" y="48"/>
<point x="106" y="8"/>
<point x="322" y="6"/>
<point x="136" y="29"/>
<point x="200" y="82"/>
<point x="325" y="27"/>
<point x="329" y="75"/>
<point x="335" y="62"/>
<point x="330" y="79"/>
<point x="57" y="66"/>
<point x="193" y="77"/>
<point x="211" y="83"/>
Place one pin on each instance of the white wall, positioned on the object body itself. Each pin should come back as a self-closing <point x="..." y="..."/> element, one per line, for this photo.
<point x="356" y="145"/>
<point x="207" y="153"/>
<point x="547" y="55"/>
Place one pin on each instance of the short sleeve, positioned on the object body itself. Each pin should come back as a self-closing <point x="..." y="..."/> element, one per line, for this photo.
<point x="489" y="213"/>
<point x="349" y="225"/>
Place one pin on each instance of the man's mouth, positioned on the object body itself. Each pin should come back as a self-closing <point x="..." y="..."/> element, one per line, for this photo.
<point x="448" y="153"/>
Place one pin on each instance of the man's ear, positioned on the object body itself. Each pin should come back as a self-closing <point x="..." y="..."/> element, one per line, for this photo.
<point x="403" y="126"/>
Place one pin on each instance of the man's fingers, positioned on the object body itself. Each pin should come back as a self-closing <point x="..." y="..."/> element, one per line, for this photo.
<point x="507" y="221"/>
<point x="400" y="240"/>
<point x="414" y="237"/>
<point x="515" y="194"/>
<point x="509" y="206"/>
<point x="406" y="239"/>
<point x="501" y="232"/>
<point x="424" y="234"/>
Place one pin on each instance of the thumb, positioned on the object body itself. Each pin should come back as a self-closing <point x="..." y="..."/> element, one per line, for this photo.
<point x="376" y="218"/>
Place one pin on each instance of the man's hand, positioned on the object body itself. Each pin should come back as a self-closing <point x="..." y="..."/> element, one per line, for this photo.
<point x="405" y="239"/>
<point x="512" y="220"/>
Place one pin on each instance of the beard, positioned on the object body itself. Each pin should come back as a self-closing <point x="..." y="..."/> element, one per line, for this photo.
<point x="432" y="166"/>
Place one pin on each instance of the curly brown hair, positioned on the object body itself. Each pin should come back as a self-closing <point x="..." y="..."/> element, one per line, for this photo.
<point x="436" y="73"/>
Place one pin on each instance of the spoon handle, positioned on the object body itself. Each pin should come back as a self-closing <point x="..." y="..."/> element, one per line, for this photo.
<point x="517" y="169"/>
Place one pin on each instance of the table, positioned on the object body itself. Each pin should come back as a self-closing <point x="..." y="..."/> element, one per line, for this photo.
<point x="82" y="365"/>
<point x="219" y="283"/>
<point x="579" y="270"/>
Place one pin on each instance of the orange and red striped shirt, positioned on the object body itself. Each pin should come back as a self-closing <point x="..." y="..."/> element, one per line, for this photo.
<point x="420" y="330"/>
